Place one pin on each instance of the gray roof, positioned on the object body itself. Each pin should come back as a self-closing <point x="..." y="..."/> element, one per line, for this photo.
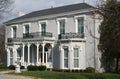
<point x="50" y="11"/>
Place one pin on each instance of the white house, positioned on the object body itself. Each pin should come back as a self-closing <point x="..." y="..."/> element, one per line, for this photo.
<point x="57" y="37"/>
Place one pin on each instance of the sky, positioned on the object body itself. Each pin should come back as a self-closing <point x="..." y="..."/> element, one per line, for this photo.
<point x="27" y="6"/>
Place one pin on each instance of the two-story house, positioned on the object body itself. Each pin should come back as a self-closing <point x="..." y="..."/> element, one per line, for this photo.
<point x="56" y="37"/>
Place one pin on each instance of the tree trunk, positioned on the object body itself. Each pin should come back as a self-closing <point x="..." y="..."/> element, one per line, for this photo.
<point x="117" y="64"/>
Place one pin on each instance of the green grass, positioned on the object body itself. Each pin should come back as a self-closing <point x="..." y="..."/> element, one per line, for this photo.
<point x="67" y="75"/>
<point x="4" y="69"/>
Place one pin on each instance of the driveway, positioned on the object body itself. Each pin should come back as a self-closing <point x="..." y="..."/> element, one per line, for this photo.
<point x="3" y="75"/>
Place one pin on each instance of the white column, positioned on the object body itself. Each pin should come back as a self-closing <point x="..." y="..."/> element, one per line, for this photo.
<point x="52" y="53"/>
<point x="46" y="57"/>
<point x="37" y="53"/>
<point x="28" y="54"/>
<point x="14" y="56"/>
<point x="70" y="58"/>
<point x="61" y="58"/>
<point x="8" y="57"/>
<point x="23" y="54"/>
<point x="43" y="50"/>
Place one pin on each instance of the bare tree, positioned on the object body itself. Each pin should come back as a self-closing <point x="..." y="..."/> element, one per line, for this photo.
<point x="4" y="8"/>
<point x="2" y="43"/>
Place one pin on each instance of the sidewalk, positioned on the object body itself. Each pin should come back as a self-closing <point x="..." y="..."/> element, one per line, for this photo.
<point x="4" y="75"/>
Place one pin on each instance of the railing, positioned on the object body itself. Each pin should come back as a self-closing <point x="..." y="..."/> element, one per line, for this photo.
<point x="37" y="35"/>
<point x="70" y="35"/>
<point x="14" y="40"/>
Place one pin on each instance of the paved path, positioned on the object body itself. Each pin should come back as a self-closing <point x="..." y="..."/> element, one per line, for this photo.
<point x="3" y="75"/>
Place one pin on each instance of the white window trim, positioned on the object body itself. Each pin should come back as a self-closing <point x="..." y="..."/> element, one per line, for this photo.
<point x="24" y="26"/>
<point x="58" y="22"/>
<point x="67" y="58"/>
<point x="76" y="22"/>
<point x="77" y="58"/>
<point x="16" y="25"/>
<point x="39" y="24"/>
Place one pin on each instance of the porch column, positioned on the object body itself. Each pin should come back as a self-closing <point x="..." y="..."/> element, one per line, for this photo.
<point x="70" y="58"/>
<point x="23" y="49"/>
<point x="61" y="57"/>
<point x="28" y="54"/>
<point x="52" y="53"/>
<point x="14" y="56"/>
<point x="37" y="53"/>
<point x="8" y="57"/>
<point x="46" y="57"/>
<point x="43" y="50"/>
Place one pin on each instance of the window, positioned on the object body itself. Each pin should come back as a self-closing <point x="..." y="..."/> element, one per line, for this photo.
<point x="11" y="57"/>
<point x="80" y="24"/>
<point x="76" y="57"/>
<point x="26" y="30"/>
<point x="62" y="26"/>
<point x="18" y="54"/>
<point x="66" y="57"/>
<point x="14" y="31"/>
<point x="43" y="27"/>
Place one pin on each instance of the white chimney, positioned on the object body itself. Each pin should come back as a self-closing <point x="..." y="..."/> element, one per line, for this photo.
<point x="21" y="13"/>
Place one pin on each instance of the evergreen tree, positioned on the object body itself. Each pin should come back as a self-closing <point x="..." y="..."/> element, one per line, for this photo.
<point x="109" y="43"/>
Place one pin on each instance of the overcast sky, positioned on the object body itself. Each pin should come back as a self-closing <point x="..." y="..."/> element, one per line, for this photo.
<point x="27" y="6"/>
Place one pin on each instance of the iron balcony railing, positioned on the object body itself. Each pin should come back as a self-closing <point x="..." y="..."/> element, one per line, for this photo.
<point x="70" y="35"/>
<point x="14" y="40"/>
<point x="37" y="35"/>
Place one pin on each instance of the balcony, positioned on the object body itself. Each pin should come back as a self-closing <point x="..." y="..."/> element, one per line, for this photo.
<point x="37" y="35"/>
<point x="70" y="36"/>
<point x="10" y="40"/>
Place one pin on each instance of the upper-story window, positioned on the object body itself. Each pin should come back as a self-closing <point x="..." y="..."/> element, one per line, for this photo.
<point x="61" y="25"/>
<point x="14" y="31"/>
<point x="42" y="26"/>
<point x="26" y="28"/>
<point x="80" y="23"/>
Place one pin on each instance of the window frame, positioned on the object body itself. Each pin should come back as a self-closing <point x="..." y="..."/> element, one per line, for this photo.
<point x="12" y="36"/>
<point x="40" y="25"/>
<point x="66" y="57"/>
<point x="76" y="58"/>
<point x="24" y="27"/>
<point x="58" y="23"/>
<point x="76" y="22"/>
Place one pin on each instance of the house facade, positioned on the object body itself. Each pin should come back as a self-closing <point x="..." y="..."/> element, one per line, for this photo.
<point x="57" y="37"/>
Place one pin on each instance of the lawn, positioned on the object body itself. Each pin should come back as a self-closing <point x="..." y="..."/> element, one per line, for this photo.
<point x="68" y="75"/>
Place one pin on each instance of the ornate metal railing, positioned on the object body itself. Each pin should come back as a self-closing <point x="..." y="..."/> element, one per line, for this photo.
<point x="14" y="40"/>
<point x="70" y="35"/>
<point x="37" y="35"/>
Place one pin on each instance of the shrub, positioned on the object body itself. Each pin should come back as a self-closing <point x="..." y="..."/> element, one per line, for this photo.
<point x="90" y="70"/>
<point x="42" y="68"/>
<point x="32" y="68"/>
<point x="49" y="69"/>
<point x="22" y="67"/>
<point x="58" y="70"/>
<point x="12" y="67"/>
